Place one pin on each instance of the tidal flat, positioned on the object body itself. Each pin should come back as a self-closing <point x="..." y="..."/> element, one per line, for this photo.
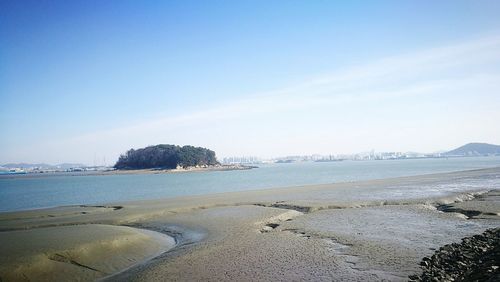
<point x="364" y="230"/>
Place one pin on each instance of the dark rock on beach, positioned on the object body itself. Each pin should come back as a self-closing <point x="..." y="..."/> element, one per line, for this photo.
<point x="476" y="258"/>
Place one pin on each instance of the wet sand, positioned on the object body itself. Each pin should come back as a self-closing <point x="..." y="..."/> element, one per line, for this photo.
<point x="296" y="233"/>
<point x="74" y="252"/>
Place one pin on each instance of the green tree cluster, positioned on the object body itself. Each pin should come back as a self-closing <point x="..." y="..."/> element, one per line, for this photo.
<point x="166" y="156"/>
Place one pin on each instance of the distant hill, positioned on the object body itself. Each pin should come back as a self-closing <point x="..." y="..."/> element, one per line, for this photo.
<point x="475" y="149"/>
<point x="166" y="156"/>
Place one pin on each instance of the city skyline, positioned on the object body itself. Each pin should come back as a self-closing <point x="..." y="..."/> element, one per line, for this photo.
<point x="100" y="161"/>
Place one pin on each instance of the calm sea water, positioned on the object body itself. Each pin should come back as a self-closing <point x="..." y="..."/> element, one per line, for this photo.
<point x="21" y="193"/>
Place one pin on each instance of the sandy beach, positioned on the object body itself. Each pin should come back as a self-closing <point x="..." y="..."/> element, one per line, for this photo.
<point x="295" y="233"/>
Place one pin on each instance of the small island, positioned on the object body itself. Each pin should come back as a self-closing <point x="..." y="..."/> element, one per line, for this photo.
<point x="171" y="158"/>
<point x="165" y="156"/>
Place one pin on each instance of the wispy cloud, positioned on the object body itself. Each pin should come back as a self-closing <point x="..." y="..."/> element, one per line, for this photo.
<point x="438" y="71"/>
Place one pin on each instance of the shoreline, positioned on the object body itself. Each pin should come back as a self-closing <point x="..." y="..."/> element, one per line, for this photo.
<point x="127" y="171"/>
<point x="301" y="233"/>
<point x="256" y="190"/>
<point x="181" y="170"/>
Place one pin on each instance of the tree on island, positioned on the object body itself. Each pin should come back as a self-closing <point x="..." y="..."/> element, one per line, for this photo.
<point x="166" y="156"/>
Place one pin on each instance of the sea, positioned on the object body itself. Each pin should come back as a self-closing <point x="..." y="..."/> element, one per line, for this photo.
<point x="26" y="192"/>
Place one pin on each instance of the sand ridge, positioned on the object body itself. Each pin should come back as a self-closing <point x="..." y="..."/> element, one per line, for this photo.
<point x="83" y="252"/>
<point x="298" y="233"/>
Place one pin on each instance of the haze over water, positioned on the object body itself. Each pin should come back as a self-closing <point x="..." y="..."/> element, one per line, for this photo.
<point x="28" y="192"/>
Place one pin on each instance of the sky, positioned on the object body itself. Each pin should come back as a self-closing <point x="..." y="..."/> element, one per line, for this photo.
<point x="82" y="81"/>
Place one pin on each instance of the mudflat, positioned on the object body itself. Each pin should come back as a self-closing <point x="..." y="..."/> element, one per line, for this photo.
<point x="369" y="230"/>
<point x="76" y="252"/>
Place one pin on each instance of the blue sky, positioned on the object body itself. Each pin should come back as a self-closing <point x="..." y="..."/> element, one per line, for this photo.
<point x="80" y="79"/>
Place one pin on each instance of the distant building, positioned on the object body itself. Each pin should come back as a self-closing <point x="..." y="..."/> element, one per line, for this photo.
<point x="241" y="160"/>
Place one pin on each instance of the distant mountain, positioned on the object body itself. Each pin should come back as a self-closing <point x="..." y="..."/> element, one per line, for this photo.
<point x="41" y="165"/>
<point x="475" y="149"/>
<point x="26" y="165"/>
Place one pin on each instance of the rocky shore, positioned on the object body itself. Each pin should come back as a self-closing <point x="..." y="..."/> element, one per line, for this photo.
<point x="476" y="258"/>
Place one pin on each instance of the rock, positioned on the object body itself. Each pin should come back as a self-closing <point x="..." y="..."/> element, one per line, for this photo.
<point x="413" y="277"/>
<point x="476" y="258"/>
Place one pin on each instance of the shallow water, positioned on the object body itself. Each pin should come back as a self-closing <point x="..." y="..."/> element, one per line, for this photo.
<point x="20" y="193"/>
